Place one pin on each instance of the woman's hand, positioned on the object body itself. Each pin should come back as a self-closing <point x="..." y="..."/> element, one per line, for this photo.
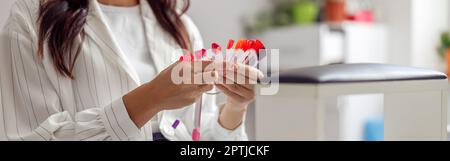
<point x="238" y="85"/>
<point x="163" y="93"/>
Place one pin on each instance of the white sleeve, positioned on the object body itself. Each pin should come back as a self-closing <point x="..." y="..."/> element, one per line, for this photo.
<point x="211" y="128"/>
<point x="31" y="107"/>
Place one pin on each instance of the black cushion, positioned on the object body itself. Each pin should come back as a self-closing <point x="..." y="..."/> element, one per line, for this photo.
<point x="349" y="73"/>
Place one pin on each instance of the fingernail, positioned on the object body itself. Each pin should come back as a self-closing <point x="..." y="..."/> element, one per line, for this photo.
<point x="239" y="44"/>
<point x="257" y="45"/>
<point x="230" y="44"/>
<point x="247" y="45"/>
<point x="200" y="54"/>
<point x="216" y="48"/>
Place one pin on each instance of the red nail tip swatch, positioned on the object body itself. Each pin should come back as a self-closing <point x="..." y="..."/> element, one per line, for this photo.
<point x="239" y="44"/>
<point x="248" y="45"/>
<point x="216" y="48"/>
<point x="257" y="45"/>
<point x="230" y="44"/>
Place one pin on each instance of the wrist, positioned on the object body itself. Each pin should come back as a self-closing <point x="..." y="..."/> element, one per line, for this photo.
<point x="235" y="107"/>
<point x="152" y="104"/>
<point x="139" y="108"/>
<point x="231" y="117"/>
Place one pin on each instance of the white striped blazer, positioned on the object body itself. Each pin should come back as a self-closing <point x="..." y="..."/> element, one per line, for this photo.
<point x="37" y="103"/>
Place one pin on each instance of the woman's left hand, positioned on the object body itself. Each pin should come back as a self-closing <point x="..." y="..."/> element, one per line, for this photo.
<point x="239" y="96"/>
<point x="238" y="85"/>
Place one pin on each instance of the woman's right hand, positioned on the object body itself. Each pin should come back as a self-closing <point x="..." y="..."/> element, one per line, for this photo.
<point x="164" y="94"/>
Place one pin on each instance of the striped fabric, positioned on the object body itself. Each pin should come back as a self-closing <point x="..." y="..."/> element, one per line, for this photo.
<point x="37" y="103"/>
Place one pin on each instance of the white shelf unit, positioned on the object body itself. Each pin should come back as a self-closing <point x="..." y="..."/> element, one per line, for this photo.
<point x="321" y="44"/>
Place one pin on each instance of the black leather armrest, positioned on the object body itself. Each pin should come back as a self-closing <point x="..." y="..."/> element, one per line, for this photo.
<point x="348" y="73"/>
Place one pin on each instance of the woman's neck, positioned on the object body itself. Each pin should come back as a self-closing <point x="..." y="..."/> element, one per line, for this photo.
<point x="120" y="3"/>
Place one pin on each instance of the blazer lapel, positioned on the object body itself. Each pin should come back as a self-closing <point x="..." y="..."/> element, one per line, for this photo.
<point x="97" y="29"/>
<point x="162" y="46"/>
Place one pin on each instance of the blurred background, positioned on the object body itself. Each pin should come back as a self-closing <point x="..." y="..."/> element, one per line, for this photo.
<point x="405" y="32"/>
<point x="320" y="32"/>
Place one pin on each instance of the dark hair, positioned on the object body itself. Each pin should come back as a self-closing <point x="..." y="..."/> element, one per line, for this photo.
<point x="61" y="24"/>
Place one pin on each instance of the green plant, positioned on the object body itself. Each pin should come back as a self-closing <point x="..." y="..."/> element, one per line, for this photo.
<point x="283" y="13"/>
<point x="304" y="12"/>
<point x="445" y="44"/>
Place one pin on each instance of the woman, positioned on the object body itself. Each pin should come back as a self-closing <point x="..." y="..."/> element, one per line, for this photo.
<point x="101" y="70"/>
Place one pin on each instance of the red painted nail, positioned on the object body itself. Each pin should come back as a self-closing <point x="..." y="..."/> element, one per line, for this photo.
<point x="239" y="44"/>
<point x="244" y="45"/>
<point x="199" y="54"/>
<point x="216" y="48"/>
<point x="191" y="57"/>
<point x="249" y="44"/>
<point x="230" y="44"/>
<point x="257" y="45"/>
<point x="203" y="52"/>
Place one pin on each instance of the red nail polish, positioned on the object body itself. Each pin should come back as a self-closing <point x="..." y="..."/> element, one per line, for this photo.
<point x="244" y="46"/>
<point x="187" y="57"/>
<point x="230" y="44"/>
<point x="239" y="44"/>
<point x="257" y="45"/>
<point x="191" y="56"/>
<point x="216" y="48"/>
<point x="199" y="54"/>
<point x="203" y="53"/>
<point x="248" y="45"/>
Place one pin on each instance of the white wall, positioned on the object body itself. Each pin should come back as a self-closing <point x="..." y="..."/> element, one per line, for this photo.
<point x="4" y="10"/>
<point x="430" y="19"/>
<point x="414" y="28"/>
<point x="396" y="15"/>
<point x="220" y="20"/>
